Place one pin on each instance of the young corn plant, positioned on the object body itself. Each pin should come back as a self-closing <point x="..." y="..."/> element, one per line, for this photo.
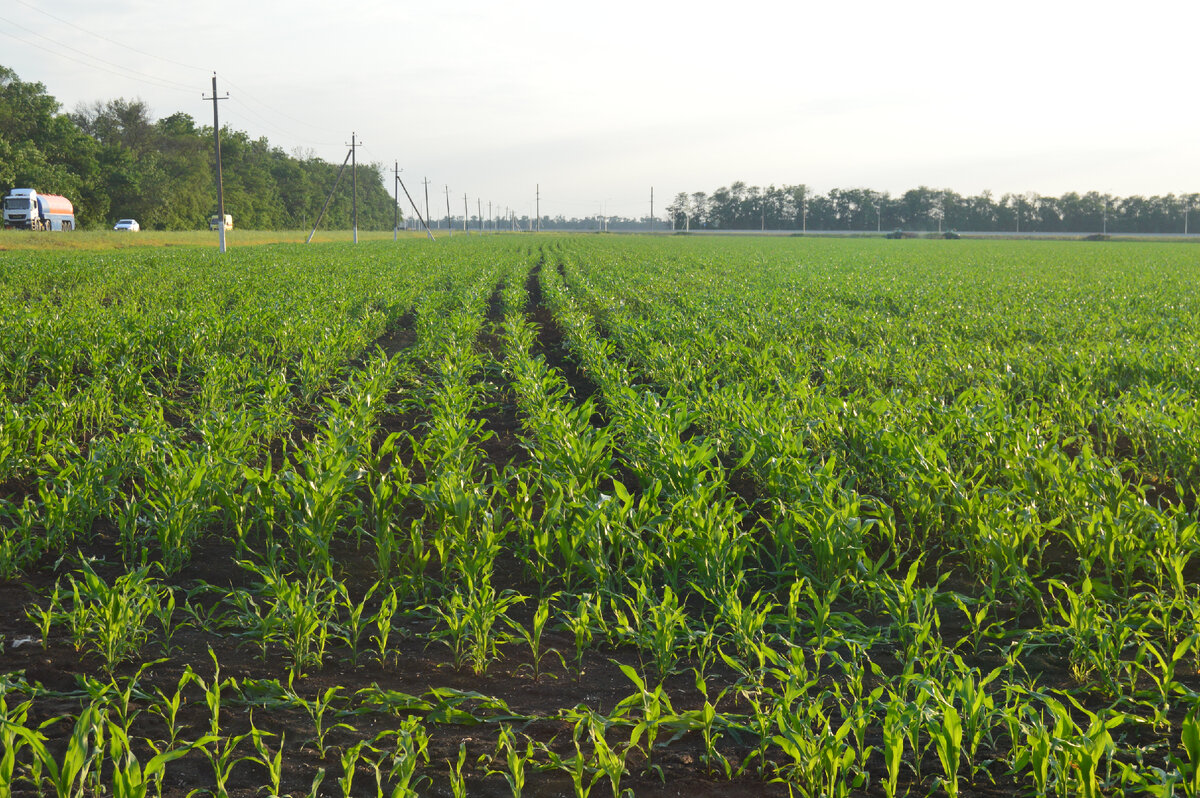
<point x="409" y="748"/>
<point x="1188" y="766"/>
<point x="132" y="779"/>
<point x="76" y="773"/>
<point x="12" y="738"/>
<point x="473" y="624"/>
<point x="609" y="758"/>
<point x="821" y="757"/>
<point x="317" y="709"/>
<point x="223" y="756"/>
<point x="349" y="761"/>
<point x="458" y="781"/>
<point x="351" y="629"/>
<point x="113" y="620"/>
<point x="947" y="735"/>
<point x="533" y="637"/>
<point x="658" y="626"/>
<point x="176" y="502"/>
<point x="388" y="484"/>
<point x="515" y="760"/>
<point x="582" y="623"/>
<point x="329" y="473"/>
<point x="271" y="763"/>
<point x="383" y="625"/>
<point x="898" y="717"/>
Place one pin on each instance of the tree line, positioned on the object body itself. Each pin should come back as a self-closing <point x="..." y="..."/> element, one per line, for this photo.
<point x="796" y="207"/>
<point x="113" y="160"/>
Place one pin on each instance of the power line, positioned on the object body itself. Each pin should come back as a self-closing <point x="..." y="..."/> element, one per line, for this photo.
<point x="107" y="39"/>
<point x="172" y="86"/>
<point x="161" y="82"/>
<point x="272" y="126"/>
<point x="280" y="113"/>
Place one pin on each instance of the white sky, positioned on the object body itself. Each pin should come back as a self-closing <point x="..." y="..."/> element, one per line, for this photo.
<point x="599" y="102"/>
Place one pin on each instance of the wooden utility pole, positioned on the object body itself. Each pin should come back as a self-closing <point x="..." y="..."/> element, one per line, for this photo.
<point x="538" y="205"/>
<point x="217" y="150"/>
<point x="449" y="226"/>
<point x="479" y="213"/>
<point x="465" y="214"/>
<point x="354" y="145"/>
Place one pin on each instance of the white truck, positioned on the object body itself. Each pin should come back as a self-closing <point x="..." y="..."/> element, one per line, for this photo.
<point x="26" y="209"/>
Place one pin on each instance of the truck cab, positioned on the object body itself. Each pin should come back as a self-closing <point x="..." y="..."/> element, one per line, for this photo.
<point x="214" y="222"/>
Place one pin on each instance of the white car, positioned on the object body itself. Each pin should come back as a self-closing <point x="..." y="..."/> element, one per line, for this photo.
<point x="127" y="224"/>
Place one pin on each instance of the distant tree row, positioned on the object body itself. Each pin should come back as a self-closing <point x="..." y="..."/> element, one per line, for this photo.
<point x="742" y="207"/>
<point x="112" y="160"/>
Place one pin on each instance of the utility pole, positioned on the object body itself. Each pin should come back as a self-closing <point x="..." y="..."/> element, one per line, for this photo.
<point x="449" y="226"/>
<point x="465" y="230"/>
<point x="354" y="145"/>
<point x="396" y="192"/>
<point x="426" y="181"/>
<point x="538" y="204"/>
<point x="217" y="149"/>
<point x="651" y="209"/>
<point x="479" y="213"/>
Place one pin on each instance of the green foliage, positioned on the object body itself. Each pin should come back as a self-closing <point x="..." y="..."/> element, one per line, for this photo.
<point x="919" y="515"/>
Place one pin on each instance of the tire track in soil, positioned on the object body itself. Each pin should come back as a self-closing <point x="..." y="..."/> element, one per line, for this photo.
<point x="550" y="340"/>
<point x="502" y="447"/>
<point x="551" y="344"/>
<point x="741" y="482"/>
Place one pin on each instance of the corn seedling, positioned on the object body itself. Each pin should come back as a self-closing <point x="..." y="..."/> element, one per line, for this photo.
<point x="112" y="620"/>
<point x="533" y="638"/>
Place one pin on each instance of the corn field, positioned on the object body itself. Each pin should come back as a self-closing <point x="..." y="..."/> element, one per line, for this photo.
<point x="579" y="515"/>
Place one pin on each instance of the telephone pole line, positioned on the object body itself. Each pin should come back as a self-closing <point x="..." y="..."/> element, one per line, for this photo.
<point x="479" y="213"/>
<point x="538" y="205"/>
<point x="449" y="226"/>
<point x="651" y="209"/>
<point x="354" y="145"/>
<point x="217" y="146"/>
<point x="465" y="230"/>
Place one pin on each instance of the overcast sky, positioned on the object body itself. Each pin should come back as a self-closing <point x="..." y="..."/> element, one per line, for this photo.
<point x="600" y="102"/>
